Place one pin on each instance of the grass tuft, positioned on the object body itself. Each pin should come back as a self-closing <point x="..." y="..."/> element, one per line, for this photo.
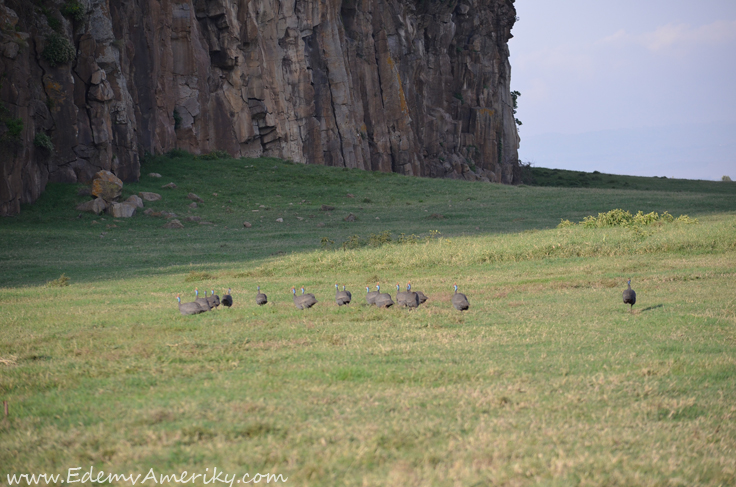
<point x="195" y="276"/>
<point x="62" y="281"/>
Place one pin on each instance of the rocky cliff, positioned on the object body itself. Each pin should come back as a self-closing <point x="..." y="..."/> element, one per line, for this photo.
<point x="419" y="87"/>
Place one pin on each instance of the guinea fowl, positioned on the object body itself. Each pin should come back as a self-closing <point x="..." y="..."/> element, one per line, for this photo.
<point x="420" y="294"/>
<point x="460" y="301"/>
<point x="630" y="297"/>
<point x="202" y="301"/>
<point x="261" y="298"/>
<point x="406" y="298"/>
<point x="304" y="301"/>
<point x="213" y="300"/>
<point x="383" y="300"/>
<point x="341" y="297"/>
<point x="192" y="308"/>
<point x="227" y="300"/>
<point x="370" y="296"/>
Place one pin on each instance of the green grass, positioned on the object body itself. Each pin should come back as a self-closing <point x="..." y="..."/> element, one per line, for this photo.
<point x="548" y="379"/>
<point x="49" y="239"/>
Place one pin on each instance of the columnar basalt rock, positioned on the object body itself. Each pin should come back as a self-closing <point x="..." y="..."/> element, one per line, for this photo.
<point x="415" y="87"/>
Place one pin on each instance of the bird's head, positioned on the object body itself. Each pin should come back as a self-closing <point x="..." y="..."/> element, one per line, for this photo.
<point x="367" y="289"/>
<point x="196" y="292"/>
<point x="302" y="289"/>
<point x="336" y="287"/>
<point x="455" y="287"/>
<point x="293" y="291"/>
<point x="258" y="288"/>
<point x="178" y="298"/>
<point x="408" y="286"/>
<point x="398" y="287"/>
<point x="229" y="290"/>
<point x="343" y="287"/>
<point x="378" y="287"/>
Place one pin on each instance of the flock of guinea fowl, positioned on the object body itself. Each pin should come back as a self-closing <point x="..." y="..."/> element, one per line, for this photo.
<point x="408" y="298"/>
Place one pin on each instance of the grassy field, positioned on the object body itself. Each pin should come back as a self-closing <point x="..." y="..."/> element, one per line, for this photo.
<point x="548" y="379"/>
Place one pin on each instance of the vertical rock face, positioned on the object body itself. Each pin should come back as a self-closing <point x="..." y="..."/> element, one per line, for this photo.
<point x="419" y="87"/>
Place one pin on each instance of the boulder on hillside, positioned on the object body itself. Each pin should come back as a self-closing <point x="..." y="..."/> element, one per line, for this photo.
<point x="194" y="197"/>
<point x="175" y="224"/>
<point x="121" y="210"/>
<point x="95" y="206"/>
<point x="149" y="196"/>
<point x="135" y="201"/>
<point x="170" y="186"/>
<point x="154" y="175"/>
<point x="107" y="186"/>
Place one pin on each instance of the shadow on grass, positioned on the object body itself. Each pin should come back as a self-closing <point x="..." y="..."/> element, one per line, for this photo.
<point x="49" y="238"/>
<point x="650" y="308"/>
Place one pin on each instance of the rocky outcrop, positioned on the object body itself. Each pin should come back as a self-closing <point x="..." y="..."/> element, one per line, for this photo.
<point x="107" y="186"/>
<point x="419" y="87"/>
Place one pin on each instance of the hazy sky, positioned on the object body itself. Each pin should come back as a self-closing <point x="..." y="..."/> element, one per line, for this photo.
<point x="587" y="66"/>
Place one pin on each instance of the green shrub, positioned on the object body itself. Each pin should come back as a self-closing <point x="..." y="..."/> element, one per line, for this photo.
<point x="686" y="220"/>
<point x="51" y="19"/>
<point x="214" y="155"/>
<point x="407" y="239"/>
<point x="43" y="141"/>
<point x="58" y="50"/>
<point x="613" y="218"/>
<point x="515" y="105"/>
<point x="378" y="239"/>
<point x="15" y="128"/>
<point x="621" y="218"/>
<point x="74" y="10"/>
<point x="326" y="243"/>
<point x="62" y="281"/>
<point x="175" y="153"/>
<point x="726" y="179"/>
<point x="353" y="242"/>
<point x="199" y="276"/>
<point x="565" y="223"/>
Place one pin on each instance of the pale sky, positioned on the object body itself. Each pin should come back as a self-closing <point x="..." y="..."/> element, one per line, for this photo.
<point x="607" y="69"/>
